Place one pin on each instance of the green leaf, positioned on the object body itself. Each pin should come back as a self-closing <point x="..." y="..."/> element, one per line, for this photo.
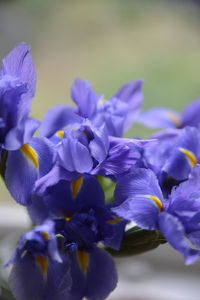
<point x="108" y="186"/>
<point x="3" y="159"/>
<point x="137" y="241"/>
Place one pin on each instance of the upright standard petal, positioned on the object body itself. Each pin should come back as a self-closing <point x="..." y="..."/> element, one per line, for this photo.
<point x="84" y="97"/>
<point x="132" y="94"/>
<point x="57" y="118"/>
<point x="191" y="114"/>
<point x="19" y="64"/>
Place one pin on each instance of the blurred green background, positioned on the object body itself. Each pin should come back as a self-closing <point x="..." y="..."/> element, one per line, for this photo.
<point x="108" y="42"/>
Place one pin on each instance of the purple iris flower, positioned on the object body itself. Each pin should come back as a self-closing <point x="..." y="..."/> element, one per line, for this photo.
<point x="176" y="153"/>
<point x="17" y="89"/>
<point x="166" y="118"/>
<point x="140" y="199"/>
<point x="39" y="271"/>
<point x="85" y="149"/>
<point x="83" y="220"/>
<point x="118" y="113"/>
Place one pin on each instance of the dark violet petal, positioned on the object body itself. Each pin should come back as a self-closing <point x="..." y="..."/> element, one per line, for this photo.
<point x="101" y="275"/>
<point x="60" y="201"/>
<point x="57" y="118"/>
<point x="98" y="281"/>
<point x="59" y="280"/>
<point x="2" y="123"/>
<point x="160" y="118"/>
<point x="26" y="281"/>
<point x="174" y="232"/>
<point x="77" y="291"/>
<point x="37" y="210"/>
<point x="191" y="114"/>
<point x="91" y="193"/>
<point x="84" y="97"/>
<point x="115" y="241"/>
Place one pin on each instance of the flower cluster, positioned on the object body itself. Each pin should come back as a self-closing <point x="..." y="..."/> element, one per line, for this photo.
<point x="62" y="175"/>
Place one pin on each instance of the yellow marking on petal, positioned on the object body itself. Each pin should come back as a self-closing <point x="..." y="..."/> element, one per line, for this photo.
<point x="156" y="200"/>
<point x="76" y="185"/>
<point x="60" y="133"/>
<point x="190" y="156"/>
<point x="83" y="259"/>
<point x="30" y="153"/>
<point x="174" y="119"/>
<point x="68" y="219"/>
<point x="113" y="221"/>
<point x="101" y="101"/>
<point x="42" y="261"/>
<point x="45" y="236"/>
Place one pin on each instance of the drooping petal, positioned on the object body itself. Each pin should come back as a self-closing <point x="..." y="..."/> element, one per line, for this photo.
<point x="25" y="166"/>
<point x="37" y="210"/>
<point x="140" y="198"/>
<point x="101" y="275"/>
<point x="59" y="281"/>
<point x="57" y="118"/>
<point x="60" y="200"/>
<point x="26" y="279"/>
<point x="160" y="118"/>
<point x="84" y="97"/>
<point x="138" y="183"/>
<point x="141" y="210"/>
<point x="99" y="278"/>
<point x="173" y="231"/>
